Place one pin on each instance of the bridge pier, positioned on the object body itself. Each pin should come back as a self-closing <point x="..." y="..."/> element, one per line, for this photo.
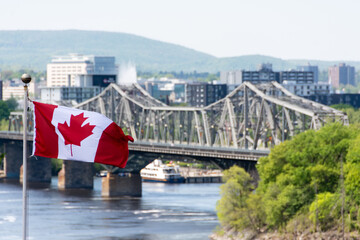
<point x="38" y="170"/>
<point x="114" y="185"/>
<point x="13" y="159"/>
<point x="75" y="174"/>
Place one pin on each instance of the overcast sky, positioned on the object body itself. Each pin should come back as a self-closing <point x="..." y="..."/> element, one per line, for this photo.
<point x="288" y="29"/>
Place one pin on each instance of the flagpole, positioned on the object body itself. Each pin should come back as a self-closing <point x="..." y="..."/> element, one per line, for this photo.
<point x="26" y="78"/>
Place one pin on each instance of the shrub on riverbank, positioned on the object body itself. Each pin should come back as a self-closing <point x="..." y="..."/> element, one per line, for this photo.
<point x="300" y="187"/>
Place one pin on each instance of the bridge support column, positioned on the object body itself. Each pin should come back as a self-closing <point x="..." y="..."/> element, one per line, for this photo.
<point x="38" y="170"/>
<point x="13" y="159"/>
<point x="114" y="185"/>
<point x="75" y="174"/>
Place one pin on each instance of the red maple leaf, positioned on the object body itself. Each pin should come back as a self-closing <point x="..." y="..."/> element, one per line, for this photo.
<point x="75" y="133"/>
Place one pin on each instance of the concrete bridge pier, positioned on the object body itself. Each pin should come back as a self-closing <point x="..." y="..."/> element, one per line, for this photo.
<point x="38" y="171"/>
<point x="13" y="159"/>
<point x="128" y="184"/>
<point x="39" y="168"/>
<point x="75" y="174"/>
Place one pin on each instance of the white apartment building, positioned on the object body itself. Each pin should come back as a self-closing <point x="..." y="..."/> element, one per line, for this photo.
<point x="81" y="70"/>
<point x="307" y="89"/>
<point x="17" y="91"/>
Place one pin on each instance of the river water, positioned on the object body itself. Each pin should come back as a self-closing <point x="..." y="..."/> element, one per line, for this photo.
<point x="165" y="211"/>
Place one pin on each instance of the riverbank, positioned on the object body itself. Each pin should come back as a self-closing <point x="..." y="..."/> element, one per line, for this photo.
<point x="229" y="234"/>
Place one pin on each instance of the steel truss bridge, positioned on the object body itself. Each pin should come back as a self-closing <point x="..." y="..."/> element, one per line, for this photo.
<point x="243" y="125"/>
<point x="241" y="120"/>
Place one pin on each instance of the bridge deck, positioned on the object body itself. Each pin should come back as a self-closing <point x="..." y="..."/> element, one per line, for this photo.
<point x="173" y="149"/>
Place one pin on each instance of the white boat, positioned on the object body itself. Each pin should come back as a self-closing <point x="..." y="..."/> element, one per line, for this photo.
<point x="156" y="171"/>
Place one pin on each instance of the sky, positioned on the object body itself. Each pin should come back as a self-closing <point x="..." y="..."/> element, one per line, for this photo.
<point x="287" y="29"/>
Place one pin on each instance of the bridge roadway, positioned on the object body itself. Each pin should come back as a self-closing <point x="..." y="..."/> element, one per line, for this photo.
<point x="229" y="153"/>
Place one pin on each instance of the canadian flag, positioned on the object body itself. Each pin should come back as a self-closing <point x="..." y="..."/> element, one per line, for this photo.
<point x="74" y="134"/>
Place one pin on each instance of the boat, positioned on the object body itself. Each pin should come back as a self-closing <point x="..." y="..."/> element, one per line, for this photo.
<point x="156" y="171"/>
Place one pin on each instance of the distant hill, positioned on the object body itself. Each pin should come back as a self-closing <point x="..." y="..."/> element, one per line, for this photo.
<point x="34" y="49"/>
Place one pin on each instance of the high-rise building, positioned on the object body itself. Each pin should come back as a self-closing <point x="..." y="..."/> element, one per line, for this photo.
<point x="201" y="94"/>
<point x="303" y="81"/>
<point x="81" y="70"/>
<point x="341" y="75"/>
<point x="263" y="74"/>
<point x="231" y="77"/>
<point x="235" y="78"/>
<point x="310" y="68"/>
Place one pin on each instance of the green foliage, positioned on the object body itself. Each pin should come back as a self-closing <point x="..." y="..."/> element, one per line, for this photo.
<point x="6" y="107"/>
<point x="12" y="103"/>
<point x="4" y="124"/>
<point x="12" y="74"/>
<point x="2" y="155"/>
<point x="4" y="110"/>
<point x="352" y="183"/>
<point x="300" y="184"/>
<point x="56" y="165"/>
<point x="294" y="170"/>
<point x="325" y="210"/>
<point x="353" y="114"/>
<point x="324" y="178"/>
<point x="179" y="104"/>
<point x="341" y="106"/>
<point x="349" y="88"/>
<point x="98" y="167"/>
<point x="231" y="207"/>
<point x="255" y="211"/>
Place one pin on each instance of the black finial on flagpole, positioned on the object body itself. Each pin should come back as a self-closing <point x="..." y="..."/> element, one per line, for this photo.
<point x="26" y="78"/>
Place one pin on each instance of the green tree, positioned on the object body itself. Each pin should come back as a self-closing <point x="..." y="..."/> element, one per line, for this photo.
<point x="231" y="208"/>
<point x="325" y="210"/>
<point x="299" y="184"/>
<point x="12" y="103"/>
<point x="296" y="170"/>
<point x="4" y="110"/>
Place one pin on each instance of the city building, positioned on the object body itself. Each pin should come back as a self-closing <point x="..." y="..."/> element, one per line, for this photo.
<point x="303" y="81"/>
<point x="69" y="94"/>
<point x="15" y="89"/>
<point x="299" y="77"/>
<point x="235" y="78"/>
<point x="231" y="78"/>
<point x="352" y="99"/>
<point x="81" y="71"/>
<point x="263" y="74"/>
<point x="201" y="94"/>
<point x="341" y="75"/>
<point x="310" y="68"/>
<point x="306" y="89"/>
<point x="165" y="90"/>
<point x="76" y="78"/>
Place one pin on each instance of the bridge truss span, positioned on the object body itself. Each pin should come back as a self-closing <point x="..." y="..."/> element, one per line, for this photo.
<point x="250" y="117"/>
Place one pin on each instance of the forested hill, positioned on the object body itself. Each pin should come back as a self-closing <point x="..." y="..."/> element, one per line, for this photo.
<point x="34" y="49"/>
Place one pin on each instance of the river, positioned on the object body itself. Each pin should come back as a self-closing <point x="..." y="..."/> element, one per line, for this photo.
<point x="165" y="211"/>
